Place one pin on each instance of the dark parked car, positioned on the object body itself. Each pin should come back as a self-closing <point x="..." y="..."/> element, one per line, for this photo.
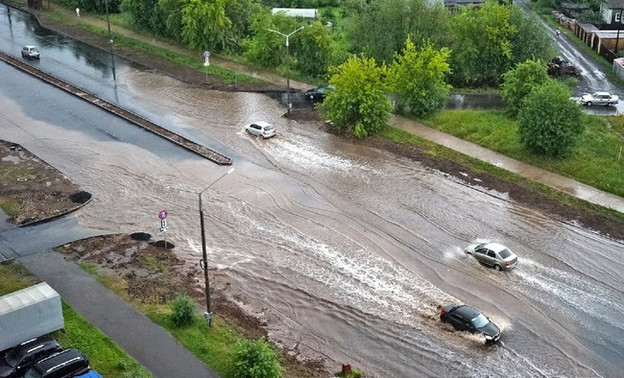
<point x="66" y="364"/>
<point x="21" y="357"/>
<point x="318" y="94"/>
<point x="466" y="318"/>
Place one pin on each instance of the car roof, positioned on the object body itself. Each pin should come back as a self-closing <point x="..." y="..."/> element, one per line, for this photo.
<point x="30" y="47"/>
<point x="467" y="311"/>
<point x="51" y="362"/>
<point x="602" y="93"/>
<point x="495" y="247"/>
<point x="262" y="123"/>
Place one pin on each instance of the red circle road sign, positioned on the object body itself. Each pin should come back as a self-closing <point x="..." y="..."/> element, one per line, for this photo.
<point x="163" y="214"/>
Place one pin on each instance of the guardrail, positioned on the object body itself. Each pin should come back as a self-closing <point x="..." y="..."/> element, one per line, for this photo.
<point x="123" y="113"/>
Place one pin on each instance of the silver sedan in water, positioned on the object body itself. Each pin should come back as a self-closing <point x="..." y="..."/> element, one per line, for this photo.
<point x="493" y="254"/>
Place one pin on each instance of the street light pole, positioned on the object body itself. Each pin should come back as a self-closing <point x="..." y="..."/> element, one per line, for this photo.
<point x="204" y="261"/>
<point x="110" y="37"/>
<point x="287" y="65"/>
<point x="617" y="38"/>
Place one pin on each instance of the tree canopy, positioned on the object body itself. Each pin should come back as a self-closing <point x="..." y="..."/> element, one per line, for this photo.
<point x="359" y="104"/>
<point x="549" y="122"/>
<point x="418" y="78"/>
<point x="520" y="81"/>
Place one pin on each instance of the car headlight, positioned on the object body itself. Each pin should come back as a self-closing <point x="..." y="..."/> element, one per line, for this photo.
<point x="488" y="337"/>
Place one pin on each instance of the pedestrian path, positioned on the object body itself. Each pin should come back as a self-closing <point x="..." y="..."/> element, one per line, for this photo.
<point x="134" y="332"/>
<point x="553" y="180"/>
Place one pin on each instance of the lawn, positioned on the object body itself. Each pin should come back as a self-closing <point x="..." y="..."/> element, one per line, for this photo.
<point x="104" y="355"/>
<point x="597" y="159"/>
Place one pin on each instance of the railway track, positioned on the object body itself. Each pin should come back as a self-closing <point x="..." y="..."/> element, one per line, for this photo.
<point x="123" y="113"/>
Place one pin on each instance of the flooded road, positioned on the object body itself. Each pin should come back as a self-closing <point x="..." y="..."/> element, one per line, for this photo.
<point x="346" y="251"/>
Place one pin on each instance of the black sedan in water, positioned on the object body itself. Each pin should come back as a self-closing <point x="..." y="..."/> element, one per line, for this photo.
<point x="466" y="318"/>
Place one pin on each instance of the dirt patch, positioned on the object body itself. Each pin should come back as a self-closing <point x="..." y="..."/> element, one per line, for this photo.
<point x="33" y="191"/>
<point x="150" y="273"/>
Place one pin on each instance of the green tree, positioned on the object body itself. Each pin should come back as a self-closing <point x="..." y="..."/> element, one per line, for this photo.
<point x="314" y="49"/>
<point x="255" y="359"/>
<point x="205" y="24"/>
<point x="378" y="29"/>
<point x="183" y="310"/>
<point x="417" y="78"/>
<point x="549" y="122"/>
<point x="172" y="9"/>
<point x="519" y="82"/>
<point x="531" y="39"/>
<point x="145" y="14"/>
<point x="268" y="49"/>
<point x="359" y="105"/>
<point x="481" y="46"/>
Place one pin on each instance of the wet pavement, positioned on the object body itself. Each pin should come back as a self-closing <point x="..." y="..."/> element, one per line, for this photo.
<point x="553" y="180"/>
<point x="345" y="251"/>
<point x="145" y="341"/>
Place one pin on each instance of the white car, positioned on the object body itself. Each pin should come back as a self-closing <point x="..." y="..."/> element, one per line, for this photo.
<point x="30" y="52"/>
<point x="261" y="129"/>
<point x="493" y="254"/>
<point x="599" y="98"/>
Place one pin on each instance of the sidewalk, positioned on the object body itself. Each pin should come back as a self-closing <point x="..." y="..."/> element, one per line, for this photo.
<point x="553" y="180"/>
<point x="149" y="344"/>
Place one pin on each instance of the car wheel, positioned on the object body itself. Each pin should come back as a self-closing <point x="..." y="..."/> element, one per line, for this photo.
<point x="497" y="267"/>
<point x="588" y="103"/>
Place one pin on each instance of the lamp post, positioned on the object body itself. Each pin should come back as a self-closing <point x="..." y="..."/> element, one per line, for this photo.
<point x="287" y="65"/>
<point x="204" y="261"/>
<point x="617" y="38"/>
<point x="110" y="37"/>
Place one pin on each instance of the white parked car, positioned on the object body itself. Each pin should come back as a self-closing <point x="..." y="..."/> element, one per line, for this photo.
<point x="599" y="98"/>
<point x="261" y="129"/>
<point x="30" y="52"/>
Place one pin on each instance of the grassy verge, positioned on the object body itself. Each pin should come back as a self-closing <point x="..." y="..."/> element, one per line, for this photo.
<point x="213" y="345"/>
<point x="479" y="166"/>
<point x="596" y="160"/>
<point x="104" y="355"/>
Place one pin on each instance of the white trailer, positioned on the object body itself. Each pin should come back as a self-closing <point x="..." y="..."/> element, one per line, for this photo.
<point x="296" y="12"/>
<point x="29" y="313"/>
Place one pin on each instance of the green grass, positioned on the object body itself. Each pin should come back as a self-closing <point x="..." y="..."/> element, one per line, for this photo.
<point x="14" y="277"/>
<point x="104" y="355"/>
<point x="213" y="345"/>
<point x="593" y="162"/>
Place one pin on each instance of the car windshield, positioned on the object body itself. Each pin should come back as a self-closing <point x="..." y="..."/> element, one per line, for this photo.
<point x="13" y="358"/>
<point x="32" y="373"/>
<point x="504" y="253"/>
<point x="480" y="321"/>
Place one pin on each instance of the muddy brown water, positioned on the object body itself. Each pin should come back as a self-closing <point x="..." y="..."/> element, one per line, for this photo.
<point x="346" y="251"/>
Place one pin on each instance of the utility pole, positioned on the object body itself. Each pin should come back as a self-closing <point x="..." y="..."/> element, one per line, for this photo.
<point x="288" y="104"/>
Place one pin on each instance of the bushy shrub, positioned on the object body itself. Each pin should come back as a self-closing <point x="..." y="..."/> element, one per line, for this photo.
<point x="183" y="310"/>
<point x="255" y="359"/>
<point x="549" y="122"/>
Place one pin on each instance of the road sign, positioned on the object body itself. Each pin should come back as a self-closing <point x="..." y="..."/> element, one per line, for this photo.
<point x="206" y="54"/>
<point x="163" y="225"/>
<point x="162" y="215"/>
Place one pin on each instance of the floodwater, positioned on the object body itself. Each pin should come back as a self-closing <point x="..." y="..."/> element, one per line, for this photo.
<point x="346" y="251"/>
